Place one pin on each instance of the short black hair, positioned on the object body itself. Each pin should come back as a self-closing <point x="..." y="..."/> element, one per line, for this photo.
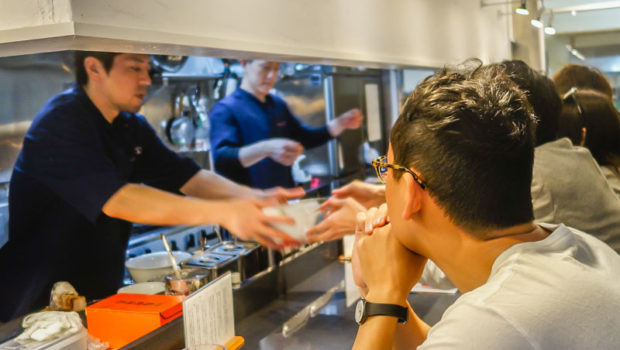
<point x="594" y="111"/>
<point x="469" y="131"/>
<point x="581" y="77"/>
<point x="106" y="58"/>
<point x="542" y="96"/>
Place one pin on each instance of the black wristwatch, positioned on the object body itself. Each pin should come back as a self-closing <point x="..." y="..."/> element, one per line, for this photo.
<point x="365" y="309"/>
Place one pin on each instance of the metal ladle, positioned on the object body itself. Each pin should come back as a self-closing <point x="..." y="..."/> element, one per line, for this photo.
<point x="175" y="267"/>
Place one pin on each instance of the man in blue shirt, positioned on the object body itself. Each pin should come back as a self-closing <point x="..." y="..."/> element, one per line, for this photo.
<point x="254" y="136"/>
<point x="89" y="166"/>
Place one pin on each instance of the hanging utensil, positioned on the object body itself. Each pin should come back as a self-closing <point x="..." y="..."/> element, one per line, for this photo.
<point x="173" y="261"/>
<point x="180" y="128"/>
<point x="202" y="239"/>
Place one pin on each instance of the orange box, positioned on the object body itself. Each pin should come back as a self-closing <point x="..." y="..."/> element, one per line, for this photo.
<point x="123" y="318"/>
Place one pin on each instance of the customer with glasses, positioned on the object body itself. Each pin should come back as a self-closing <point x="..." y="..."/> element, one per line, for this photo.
<point x="341" y="209"/>
<point x="589" y="119"/>
<point x="567" y="187"/>
<point x="458" y="175"/>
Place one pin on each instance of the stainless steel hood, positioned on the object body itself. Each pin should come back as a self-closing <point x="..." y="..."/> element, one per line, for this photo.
<point x="371" y="33"/>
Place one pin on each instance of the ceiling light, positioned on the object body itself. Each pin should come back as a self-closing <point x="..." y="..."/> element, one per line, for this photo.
<point x="549" y="30"/>
<point x="538" y="22"/>
<point x="573" y="12"/>
<point x="522" y="10"/>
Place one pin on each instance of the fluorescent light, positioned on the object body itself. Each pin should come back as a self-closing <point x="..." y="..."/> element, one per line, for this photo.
<point x="522" y="11"/>
<point x="575" y="53"/>
<point x="580" y="56"/>
<point x="537" y="23"/>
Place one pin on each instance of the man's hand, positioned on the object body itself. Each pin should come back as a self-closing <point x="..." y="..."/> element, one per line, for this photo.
<point x="351" y="119"/>
<point x="339" y="220"/>
<point x="358" y="278"/>
<point x="368" y="195"/>
<point x="283" y="151"/>
<point x="388" y="269"/>
<point x="365" y="223"/>
<point x="246" y="220"/>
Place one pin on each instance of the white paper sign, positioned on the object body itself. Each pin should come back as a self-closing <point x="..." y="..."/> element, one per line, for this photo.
<point x="208" y="314"/>
<point x="373" y="115"/>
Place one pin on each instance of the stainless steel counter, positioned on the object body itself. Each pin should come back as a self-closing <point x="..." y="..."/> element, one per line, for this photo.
<point x="333" y="328"/>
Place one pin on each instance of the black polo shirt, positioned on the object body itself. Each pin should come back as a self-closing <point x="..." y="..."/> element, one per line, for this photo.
<point x="72" y="161"/>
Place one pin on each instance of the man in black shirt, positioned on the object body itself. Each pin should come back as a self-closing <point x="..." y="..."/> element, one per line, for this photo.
<point x="89" y="166"/>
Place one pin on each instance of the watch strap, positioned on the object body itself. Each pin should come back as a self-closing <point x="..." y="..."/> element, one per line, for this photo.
<point x="374" y="309"/>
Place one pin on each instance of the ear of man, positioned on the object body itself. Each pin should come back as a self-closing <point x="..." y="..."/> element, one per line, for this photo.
<point x="413" y="197"/>
<point x="94" y="68"/>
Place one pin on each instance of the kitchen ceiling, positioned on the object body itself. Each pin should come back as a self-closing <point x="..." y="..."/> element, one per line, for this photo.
<point x="580" y="16"/>
<point x="590" y="27"/>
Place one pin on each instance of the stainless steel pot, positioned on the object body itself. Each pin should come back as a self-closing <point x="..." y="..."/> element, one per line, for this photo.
<point x="186" y="282"/>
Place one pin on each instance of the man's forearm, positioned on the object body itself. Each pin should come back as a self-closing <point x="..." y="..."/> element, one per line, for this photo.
<point x="148" y="205"/>
<point x="411" y="334"/>
<point x="334" y="128"/>
<point x="384" y="332"/>
<point x="252" y="154"/>
<point x="209" y="185"/>
<point x="376" y="333"/>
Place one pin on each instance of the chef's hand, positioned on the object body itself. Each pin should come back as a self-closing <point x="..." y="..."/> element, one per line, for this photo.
<point x="281" y="195"/>
<point x="388" y="269"/>
<point x="368" y="195"/>
<point x="351" y="119"/>
<point x="339" y="220"/>
<point x="282" y="150"/>
<point x="246" y="220"/>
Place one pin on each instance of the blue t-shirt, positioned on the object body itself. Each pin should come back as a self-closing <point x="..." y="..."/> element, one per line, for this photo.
<point x="241" y="119"/>
<point x="72" y="161"/>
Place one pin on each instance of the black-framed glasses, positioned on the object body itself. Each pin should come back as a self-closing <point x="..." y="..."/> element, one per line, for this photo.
<point x="571" y="94"/>
<point x="381" y="166"/>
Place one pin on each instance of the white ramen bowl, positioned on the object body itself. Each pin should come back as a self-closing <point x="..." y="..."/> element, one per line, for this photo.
<point x="153" y="266"/>
<point x="305" y="212"/>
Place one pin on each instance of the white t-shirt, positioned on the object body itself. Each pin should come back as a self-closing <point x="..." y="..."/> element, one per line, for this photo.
<point x="559" y="293"/>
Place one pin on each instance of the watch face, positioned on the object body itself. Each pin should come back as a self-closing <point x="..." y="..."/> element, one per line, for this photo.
<point x="359" y="311"/>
